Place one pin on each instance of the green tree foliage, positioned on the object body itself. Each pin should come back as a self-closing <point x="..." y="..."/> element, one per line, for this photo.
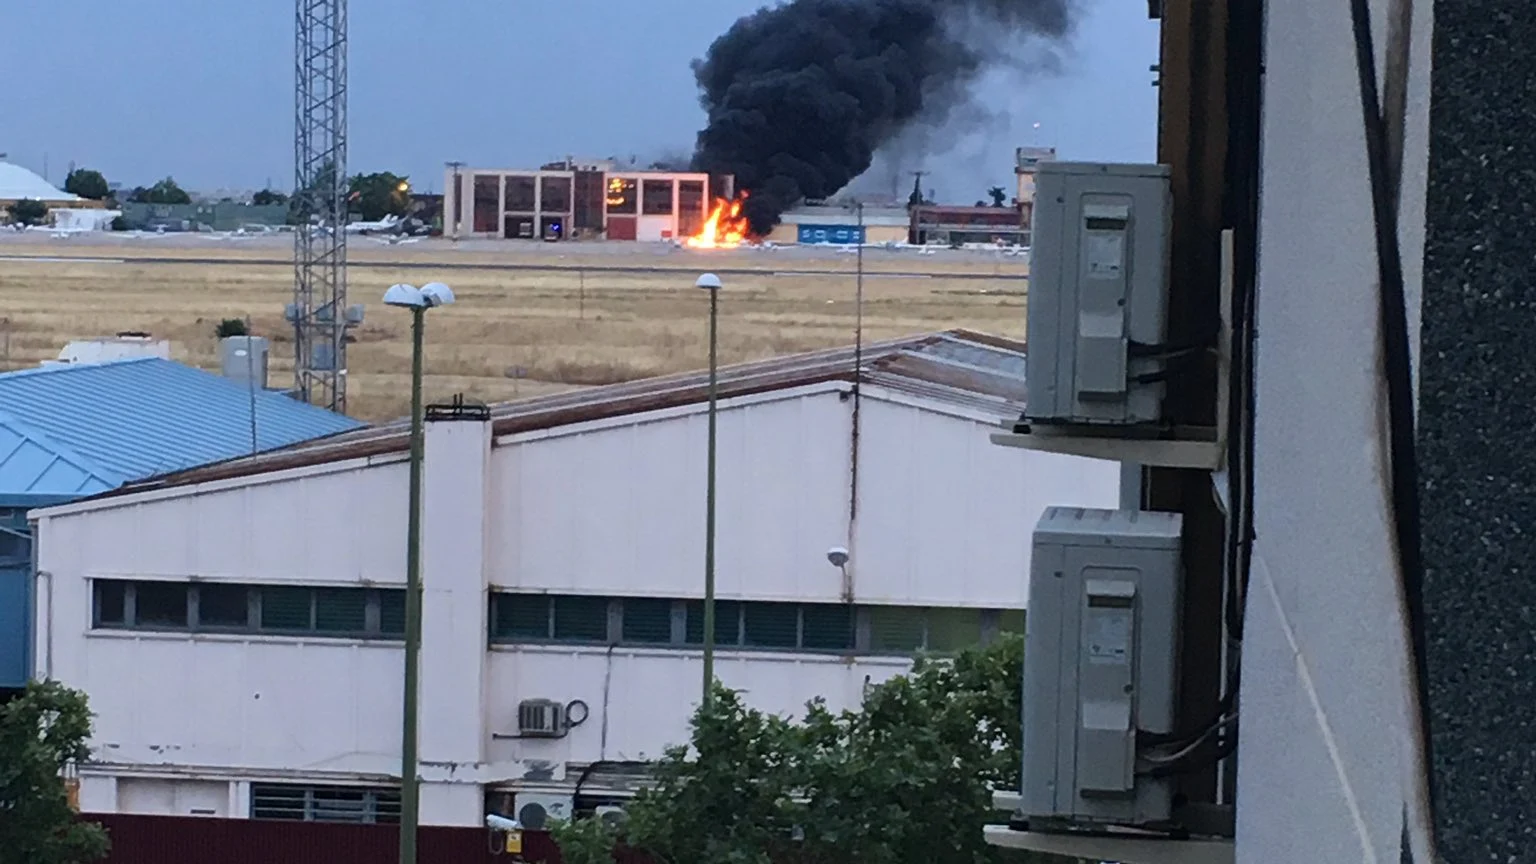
<point x="87" y="184"/>
<point x="163" y="192"/>
<point x="998" y="195"/>
<point x="905" y="779"/>
<point x="374" y="196"/>
<point x="267" y="197"/>
<point x="231" y="327"/>
<point x="27" y="211"/>
<point x="585" y="841"/>
<point x="43" y="731"/>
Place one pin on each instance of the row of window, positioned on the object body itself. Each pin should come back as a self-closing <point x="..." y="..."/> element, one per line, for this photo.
<point x="555" y="618"/>
<point x="824" y="627"/>
<point x="293" y="803"/>
<point x="226" y="608"/>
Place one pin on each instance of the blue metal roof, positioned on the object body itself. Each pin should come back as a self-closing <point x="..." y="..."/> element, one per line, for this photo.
<point x="79" y="429"/>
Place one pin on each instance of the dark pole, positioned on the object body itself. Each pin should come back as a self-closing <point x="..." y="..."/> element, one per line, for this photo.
<point x="709" y="507"/>
<point x="410" y="790"/>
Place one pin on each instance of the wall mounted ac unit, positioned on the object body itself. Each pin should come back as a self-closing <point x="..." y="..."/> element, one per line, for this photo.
<point x="535" y="810"/>
<point x="612" y="814"/>
<point x="541" y="718"/>
<point x="1100" y="666"/>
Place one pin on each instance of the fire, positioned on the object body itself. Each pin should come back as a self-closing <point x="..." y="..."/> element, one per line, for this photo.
<point x="726" y="228"/>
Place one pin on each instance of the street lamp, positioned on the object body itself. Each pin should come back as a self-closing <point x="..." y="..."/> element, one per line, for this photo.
<point x="711" y="283"/>
<point x="418" y="300"/>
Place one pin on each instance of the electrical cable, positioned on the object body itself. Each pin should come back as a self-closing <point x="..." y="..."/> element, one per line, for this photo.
<point x="1398" y="369"/>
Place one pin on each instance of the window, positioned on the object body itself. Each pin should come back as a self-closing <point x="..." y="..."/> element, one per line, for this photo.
<point x="647" y="621"/>
<point x="271" y="609"/>
<point x="520" y="194"/>
<point x="223" y="606"/>
<point x="487" y="212"/>
<point x="555" y="194"/>
<point x="294" y="803"/>
<point x="160" y="604"/>
<point x="691" y="209"/>
<point x="835" y="628"/>
<point x="621" y="195"/>
<point x="656" y="198"/>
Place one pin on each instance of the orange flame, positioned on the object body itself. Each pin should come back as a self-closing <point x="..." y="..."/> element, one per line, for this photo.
<point x="725" y="228"/>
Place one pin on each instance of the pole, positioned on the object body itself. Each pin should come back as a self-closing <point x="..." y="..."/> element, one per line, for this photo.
<point x="410" y="791"/>
<point x="709" y="507"/>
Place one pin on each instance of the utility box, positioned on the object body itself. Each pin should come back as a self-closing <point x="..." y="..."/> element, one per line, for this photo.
<point x="1100" y="662"/>
<point x="1098" y="289"/>
<point x="245" y="359"/>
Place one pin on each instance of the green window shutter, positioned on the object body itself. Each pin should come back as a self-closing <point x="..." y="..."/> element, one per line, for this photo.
<point x="286" y="608"/>
<point x="827" y="627"/>
<point x="521" y="616"/>
<point x="647" y="621"/>
<point x="392" y="611"/>
<point x="953" y="629"/>
<point x="581" y="619"/>
<point x="727" y="623"/>
<point x="771" y="625"/>
<point x="341" y="610"/>
<point x="895" y="629"/>
<point x="223" y="606"/>
<point x="160" y="604"/>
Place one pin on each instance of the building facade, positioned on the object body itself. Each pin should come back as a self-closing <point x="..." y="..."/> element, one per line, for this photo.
<point x="238" y="628"/>
<point x="577" y="201"/>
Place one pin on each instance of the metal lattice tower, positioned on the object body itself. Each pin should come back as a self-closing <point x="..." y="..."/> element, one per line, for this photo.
<point x="319" y="312"/>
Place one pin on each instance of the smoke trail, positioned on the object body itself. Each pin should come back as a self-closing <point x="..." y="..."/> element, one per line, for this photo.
<point x="801" y="96"/>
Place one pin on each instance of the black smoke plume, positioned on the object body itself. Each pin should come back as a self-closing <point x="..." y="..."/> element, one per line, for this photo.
<point x="801" y="96"/>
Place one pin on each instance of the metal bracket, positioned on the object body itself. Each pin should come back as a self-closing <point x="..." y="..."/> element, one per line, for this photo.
<point x="1203" y="448"/>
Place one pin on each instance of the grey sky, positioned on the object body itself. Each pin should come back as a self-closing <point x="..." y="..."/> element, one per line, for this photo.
<point x="203" y="90"/>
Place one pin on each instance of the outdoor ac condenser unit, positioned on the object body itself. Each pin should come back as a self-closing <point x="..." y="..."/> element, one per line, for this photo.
<point x="535" y="810"/>
<point x="541" y="718"/>
<point x="1100" y="663"/>
<point x="1098" y="287"/>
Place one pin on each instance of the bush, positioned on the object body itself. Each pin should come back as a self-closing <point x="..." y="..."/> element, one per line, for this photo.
<point x="231" y="327"/>
<point x="28" y="211"/>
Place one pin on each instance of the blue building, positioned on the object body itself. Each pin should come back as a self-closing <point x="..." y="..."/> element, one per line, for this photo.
<point x="71" y="431"/>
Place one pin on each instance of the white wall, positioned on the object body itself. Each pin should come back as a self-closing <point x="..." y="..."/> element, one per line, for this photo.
<point x="1325" y="674"/>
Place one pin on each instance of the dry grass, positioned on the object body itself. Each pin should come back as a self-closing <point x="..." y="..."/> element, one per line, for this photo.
<point x="513" y="332"/>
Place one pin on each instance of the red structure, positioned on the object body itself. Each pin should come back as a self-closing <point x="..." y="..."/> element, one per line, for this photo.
<point x="201" y="840"/>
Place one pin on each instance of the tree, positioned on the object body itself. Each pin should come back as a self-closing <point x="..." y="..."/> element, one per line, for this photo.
<point x="998" y="195"/>
<point x="163" y="192"/>
<point x="267" y="197"/>
<point x="231" y="327"/>
<point x="906" y="778"/>
<point x="375" y="196"/>
<point x="87" y="184"/>
<point x="28" y="211"/>
<point x="43" y="732"/>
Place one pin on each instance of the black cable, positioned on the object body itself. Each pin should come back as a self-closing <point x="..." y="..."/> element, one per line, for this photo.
<point x="1399" y="372"/>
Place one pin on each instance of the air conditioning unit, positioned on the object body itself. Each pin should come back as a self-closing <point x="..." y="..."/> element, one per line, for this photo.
<point x="536" y="810"/>
<point x="1098" y="294"/>
<point x="1100" y="667"/>
<point x="611" y="814"/>
<point x="541" y="718"/>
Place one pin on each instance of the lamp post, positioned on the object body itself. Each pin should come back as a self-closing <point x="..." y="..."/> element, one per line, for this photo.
<point x="418" y="300"/>
<point x="711" y="283"/>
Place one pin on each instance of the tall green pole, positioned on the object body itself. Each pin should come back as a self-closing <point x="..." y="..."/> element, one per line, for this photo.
<point x="709" y="508"/>
<point x="410" y="790"/>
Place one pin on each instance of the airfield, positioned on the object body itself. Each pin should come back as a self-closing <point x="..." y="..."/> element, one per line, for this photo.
<point x="531" y="318"/>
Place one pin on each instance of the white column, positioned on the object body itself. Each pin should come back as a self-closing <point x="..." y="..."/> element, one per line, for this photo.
<point x="455" y="485"/>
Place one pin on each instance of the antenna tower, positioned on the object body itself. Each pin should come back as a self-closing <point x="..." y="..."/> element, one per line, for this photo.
<point x="319" y="312"/>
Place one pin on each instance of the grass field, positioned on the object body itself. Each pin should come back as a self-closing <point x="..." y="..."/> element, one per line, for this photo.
<point x="513" y="332"/>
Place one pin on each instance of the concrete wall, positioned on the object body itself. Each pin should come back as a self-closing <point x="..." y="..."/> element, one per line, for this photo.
<point x="1324" y="751"/>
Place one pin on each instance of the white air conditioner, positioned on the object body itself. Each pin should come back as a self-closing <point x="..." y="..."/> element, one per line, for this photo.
<point x="541" y="718"/>
<point x="611" y="814"/>
<point x="536" y="810"/>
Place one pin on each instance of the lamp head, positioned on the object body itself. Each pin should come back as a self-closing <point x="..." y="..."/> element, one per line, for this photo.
<point x="838" y="556"/>
<point x="709" y="282"/>
<point x="437" y="294"/>
<point x="407" y="296"/>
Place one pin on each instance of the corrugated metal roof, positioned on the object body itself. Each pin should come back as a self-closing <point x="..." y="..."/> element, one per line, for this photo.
<point x="80" y="429"/>
<point x="961" y="367"/>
